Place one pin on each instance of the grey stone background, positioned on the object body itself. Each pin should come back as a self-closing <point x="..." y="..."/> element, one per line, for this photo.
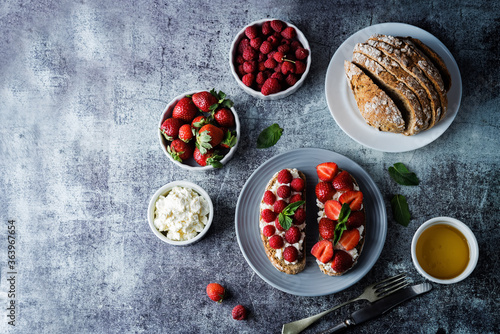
<point x="82" y="87"/>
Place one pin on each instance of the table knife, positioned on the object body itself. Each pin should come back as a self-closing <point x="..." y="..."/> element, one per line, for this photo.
<point x="380" y="307"/>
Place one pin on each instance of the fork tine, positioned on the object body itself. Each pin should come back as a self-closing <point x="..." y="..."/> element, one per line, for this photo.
<point x="387" y="291"/>
<point x="388" y="281"/>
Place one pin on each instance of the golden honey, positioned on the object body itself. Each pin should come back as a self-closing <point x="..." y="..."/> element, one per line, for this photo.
<point x="442" y="251"/>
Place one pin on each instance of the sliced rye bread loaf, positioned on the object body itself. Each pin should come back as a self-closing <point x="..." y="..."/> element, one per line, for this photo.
<point x="376" y="107"/>
<point x="275" y="256"/>
<point x="393" y="67"/>
<point x="416" y="72"/>
<point x="404" y="98"/>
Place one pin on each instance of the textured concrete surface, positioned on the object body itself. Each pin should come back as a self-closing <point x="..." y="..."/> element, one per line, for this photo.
<point x="83" y="84"/>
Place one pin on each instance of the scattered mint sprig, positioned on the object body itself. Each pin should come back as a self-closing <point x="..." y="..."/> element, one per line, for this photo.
<point x="402" y="175"/>
<point x="269" y="136"/>
<point x="400" y="210"/>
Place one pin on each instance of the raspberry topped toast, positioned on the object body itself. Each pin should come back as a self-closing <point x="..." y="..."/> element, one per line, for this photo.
<point x="282" y="220"/>
<point x="341" y="219"/>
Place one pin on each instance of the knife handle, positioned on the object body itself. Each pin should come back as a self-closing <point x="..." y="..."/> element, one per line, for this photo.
<point x="338" y="328"/>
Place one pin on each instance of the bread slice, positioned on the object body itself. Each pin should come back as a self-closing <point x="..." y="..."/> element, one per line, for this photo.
<point x="416" y="72"/>
<point x="276" y="255"/>
<point x="326" y="268"/>
<point x="393" y="67"/>
<point x="376" y="107"/>
<point x="404" y="98"/>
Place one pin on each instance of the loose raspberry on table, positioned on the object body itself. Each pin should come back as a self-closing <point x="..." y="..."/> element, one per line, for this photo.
<point x="239" y="312"/>
<point x="284" y="191"/>
<point x="276" y="242"/>
<point x="290" y="254"/>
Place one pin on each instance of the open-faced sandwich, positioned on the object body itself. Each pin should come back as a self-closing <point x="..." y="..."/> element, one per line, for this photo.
<point x="341" y="218"/>
<point x="283" y="220"/>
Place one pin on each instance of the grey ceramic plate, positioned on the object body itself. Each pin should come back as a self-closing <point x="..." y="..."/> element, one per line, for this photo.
<point x="311" y="281"/>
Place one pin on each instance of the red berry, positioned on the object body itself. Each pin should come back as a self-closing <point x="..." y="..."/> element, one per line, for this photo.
<point x="300" y="67"/>
<point x="295" y="198"/>
<point x="186" y="133"/>
<point x="203" y="100"/>
<point x="261" y="77"/>
<point x="332" y="209"/>
<point x="284" y="176"/>
<point x="239" y="312"/>
<point x="324" y="191"/>
<point x="279" y="206"/>
<point x="353" y="198"/>
<point x="271" y="86"/>
<point x="266" y="47"/>
<point x="295" y="45"/>
<point x="224" y="117"/>
<point x="297" y="184"/>
<point x="289" y="33"/>
<point x="266" y="28"/>
<point x="350" y="239"/>
<point x="355" y="220"/>
<point x="290" y="254"/>
<point x="284" y="191"/>
<point x="287" y="67"/>
<point x="252" y="32"/>
<point x="250" y="54"/>
<point x="268" y="215"/>
<point x="180" y="150"/>
<point x="273" y="40"/>
<point x="185" y="110"/>
<point x="243" y="45"/>
<point x="299" y="216"/>
<point x="239" y="59"/>
<point x="343" y="181"/>
<point x="323" y="251"/>
<point x="198" y="122"/>
<point x="216" y="292"/>
<point x="276" y="242"/>
<point x="278" y="76"/>
<point x="301" y="53"/>
<point x="269" y="197"/>
<point x="326" y="171"/>
<point x="292" y="236"/>
<point x="250" y="66"/>
<point x="279" y="56"/>
<point x="278" y="225"/>
<point x="341" y="261"/>
<point x="170" y="128"/>
<point x="278" y="25"/>
<point x="268" y="230"/>
<point x="248" y="79"/>
<point x="256" y="42"/>
<point x="270" y="63"/>
<point x="284" y="48"/>
<point x="326" y="228"/>
<point x="291" y="79"/>
<point x="209" y="158"/>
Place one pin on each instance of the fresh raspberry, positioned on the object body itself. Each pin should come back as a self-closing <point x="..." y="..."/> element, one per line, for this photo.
<point x="261" y="67"/>
<point x="256" y="42"/>
<point x="250" y="54"/>
<point x="248" y="79"/>
<point x="271" y="86"/>
<point x="284" y="191"/>
<point x="278" y="25"/>
<point x="341" y="261"/>
<point x="278" y="76"/>
<point x="295" y="198"/>
<point x="279" y="56"/>
<point x="239" y="312"/>
<point x="266" y="47"/>
<point x="266" y="28"/>
<point x="261" y="77"/>
<point x="300" y="67"/>
<point x="250" y="66"/>
<point x="268" y="215"/>
<point x="216" y="292"/>
<point x="279" y="206"/>
<point x="299" y="216"/>
<point x="301" y="53"/>
<point x="297" y="184"/>
<point x="326" y="228"/>
<point x="252" y="32"/>
<point x="276" y="242"/>
<point x="262" y="57"/>
<point x="240" y="70"/>
<point x="289" y="33"/>
<point x="284" y="48"/>
<point x="355" y="220"/>
<point x="291" y="79"/>
<point x="268" y="230"/>
<point x="292" y="235"/>
<point x="243" y="45"/>
<point x="284" y="176"/>
<point x="277" y="69"/>
<point x="290" y="254"/>
<point x="239" y="59"/>
<point x="270" y="63"/>
<point x="269" y="197"/>
<point x="278" y="225"/>
<point x="273" y="40"/>
<point x="287" y="67"/>
<point x="295" y="45"/>
<point x="324" y="191"/>
<point x="271" y="54"/>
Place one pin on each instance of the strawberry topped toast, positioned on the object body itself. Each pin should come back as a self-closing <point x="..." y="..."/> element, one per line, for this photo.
<point x="282" y="220"/>
<point x="341" y="218"/>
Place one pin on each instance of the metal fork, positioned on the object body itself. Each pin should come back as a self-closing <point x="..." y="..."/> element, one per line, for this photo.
<point x="372" y="293"/>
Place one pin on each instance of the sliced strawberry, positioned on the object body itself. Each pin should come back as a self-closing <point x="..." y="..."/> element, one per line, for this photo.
<point x="355" y="220"/>
<point x="353" y="198"/>
<point x="327" y="171"/>
<point x="326" y="228"/>
<point x="343" y="181"/>
<point x="341" y="261"/>
<point x="324" y="191"/>
<point x="323" y="251"/>
<point x="349" y="239"/>
<point x="332" y="209"/>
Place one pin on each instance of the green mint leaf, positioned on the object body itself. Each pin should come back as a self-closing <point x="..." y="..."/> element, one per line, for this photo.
<point x="345" y="211"/>
<point x="402" y="175"/>
<point x="341" y="226"/>
<point x="291" y="208"/>
<point x="400" y="210"/>
<point x="269" y="136"/>
<point x="285" y="221"/>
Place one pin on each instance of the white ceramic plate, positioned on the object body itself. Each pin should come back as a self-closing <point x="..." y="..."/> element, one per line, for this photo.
<point x="311" y="281"/>
<point x="343" y="106"/>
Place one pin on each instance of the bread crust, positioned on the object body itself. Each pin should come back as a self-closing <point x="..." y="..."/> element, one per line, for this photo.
<point x="278" y="262"/>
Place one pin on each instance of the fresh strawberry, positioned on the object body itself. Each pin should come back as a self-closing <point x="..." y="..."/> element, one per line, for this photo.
<point x="341" y="261"/>
<point x="224" y="117"/>
<point x="332" y="209"/>
<point x="284" y="176"/>
<point x="170" y="128"/>
<point x="353" y="198"/>
<point x="289" y="33"/>
<point x="203" y="100"/>
<point x="239" y="312"/>
<point x="269" y="197"/>
<point x="248" y="79"/>
<point x="199" y="121"/>
<point x="343" y="181"/>
<point x="278" y="25"/>
<point x="326" y="171"/>
<point x="279" y="206"/>
<point x="349" y="239"/>
<point x="297" y="184"/>
<point x="252" y="32"/>
<point x="324" y="191"/>
<point x="355" y="220"/>
<point x="278" y="225"/>
<point x="268" y="215"/>
<point x="292" y="235"/>
<point x="186" y="133"/>
<point x="271" y="86"/>
<point x="323" y="251"/>
<point x="276" y="242"/>
<point x="266" y="47"/>
<point x="299" y="216"/>
<point x="229" y="139"/>
<point x="268" y="230"/>
<point x="290" y="254"/>
<point x="209" y="158"/>
<point x="301" y="53"/>
<point x="326" y="228"/>
<point x="295" y="198"/>
<point x="185" y="110"/>
<point x="284" y="191"/>
<point x="180" y="150"/>
<point x="208" y="137"/>
<point x="216" y="292"/>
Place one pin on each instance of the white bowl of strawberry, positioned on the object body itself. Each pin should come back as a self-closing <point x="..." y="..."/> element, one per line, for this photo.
<point x="270" y="59"/>
<point x="199" y="130"/>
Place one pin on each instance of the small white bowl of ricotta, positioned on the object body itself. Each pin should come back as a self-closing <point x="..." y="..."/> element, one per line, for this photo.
<point x="180" y="213"/>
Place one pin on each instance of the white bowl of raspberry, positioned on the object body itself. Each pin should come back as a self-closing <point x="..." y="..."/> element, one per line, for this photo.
<point x="195" y="138"/>
<point x="270" y="59"/>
